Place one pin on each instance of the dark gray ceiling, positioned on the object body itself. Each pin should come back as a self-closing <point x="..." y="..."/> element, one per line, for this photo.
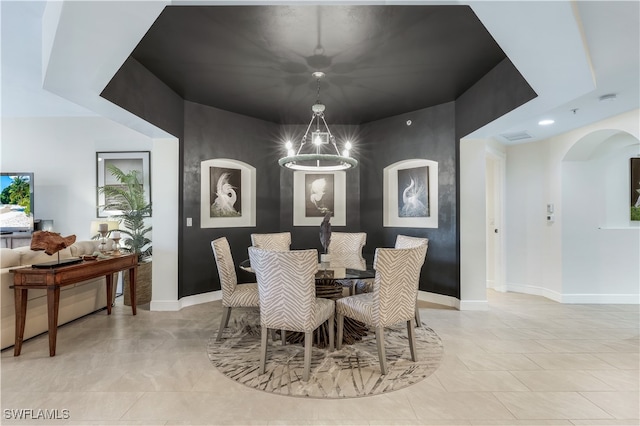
<point x="380" y="61"/>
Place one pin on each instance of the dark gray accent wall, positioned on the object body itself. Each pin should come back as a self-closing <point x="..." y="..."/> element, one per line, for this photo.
<point x="213" y="133"/>
<point x="501" y="90"/>
<point x="206" y="132"/>
<point x="430" y="136"/>
<point x="140" y="92"/>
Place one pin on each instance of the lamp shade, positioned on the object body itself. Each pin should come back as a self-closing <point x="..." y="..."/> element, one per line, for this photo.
<point x="95" y="226"/>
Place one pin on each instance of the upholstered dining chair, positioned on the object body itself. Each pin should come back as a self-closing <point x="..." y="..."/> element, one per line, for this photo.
<point x="280" y="241"/>
<point x="406" y="241"/>
<point x="347" y="247"/>
<point x="234" y="295"/>
<point x="287" y="290"/>
<point x="392" y="300"/>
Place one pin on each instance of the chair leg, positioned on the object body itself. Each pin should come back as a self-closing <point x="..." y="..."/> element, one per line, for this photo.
<point x="263" y="349"/>
<point x="283" y="335"/>
<point x="339" y="326"/>
<point x="381" y="355"/>
<point x="418" y="322"/>
<point x="224" y="322"/>
<point x="308" y="341"/>
<point x="331" y="325"/>
<point x="412" y="340"/>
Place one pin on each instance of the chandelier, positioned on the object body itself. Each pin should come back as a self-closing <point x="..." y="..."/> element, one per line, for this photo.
<point x="318" y="150"/>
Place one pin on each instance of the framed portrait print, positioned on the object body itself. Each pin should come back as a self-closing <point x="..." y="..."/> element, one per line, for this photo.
<point x="125" y="161"/>
<point x="411" y="194"/>
<point x="227" y="194"/>
<point x="315" y="193"/>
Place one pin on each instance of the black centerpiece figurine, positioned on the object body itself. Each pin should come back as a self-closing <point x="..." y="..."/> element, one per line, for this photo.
<point x="325" y="231"/>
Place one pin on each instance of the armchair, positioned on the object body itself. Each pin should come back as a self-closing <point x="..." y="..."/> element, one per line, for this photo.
<point x="286" y="287"/>
<point x="233" y="294"/>
<point x="405" y="241"/>
<point x="280" y="241"/>
<point x="393" y="298"/>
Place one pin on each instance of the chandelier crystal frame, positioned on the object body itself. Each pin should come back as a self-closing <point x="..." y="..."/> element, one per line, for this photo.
<point x="316" y="159"/>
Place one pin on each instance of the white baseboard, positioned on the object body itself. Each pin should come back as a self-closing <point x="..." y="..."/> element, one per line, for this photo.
<point x="439" y="299"/>
<point x="586" y="298"/>
<point x="461" y="305"/>
<point x="609" y="299"/>
<point x="176" y="305"/>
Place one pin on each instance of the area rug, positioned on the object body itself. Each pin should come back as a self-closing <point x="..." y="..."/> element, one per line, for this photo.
<point x="351" y="372"/>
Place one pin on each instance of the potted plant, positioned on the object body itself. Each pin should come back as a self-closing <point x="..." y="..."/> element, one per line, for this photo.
<point x="129" y="199"/>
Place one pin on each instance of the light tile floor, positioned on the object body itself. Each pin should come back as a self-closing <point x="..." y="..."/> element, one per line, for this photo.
<point x="525" y="361"/>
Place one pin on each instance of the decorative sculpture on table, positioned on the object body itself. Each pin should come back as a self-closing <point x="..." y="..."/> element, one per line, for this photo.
<point x="325" y="236"/>
<point x="51" y="243"/>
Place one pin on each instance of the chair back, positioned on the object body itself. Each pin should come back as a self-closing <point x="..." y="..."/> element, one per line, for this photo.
<point x="347" y="242"/>
<point x="286" y="287"/>
<point x="405" y="241"/>
<point x="280" y="241"/>
<point x="226" y="267"/>
<point x="395" y="288"/>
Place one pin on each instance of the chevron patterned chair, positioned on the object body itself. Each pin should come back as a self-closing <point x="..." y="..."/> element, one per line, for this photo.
<point x="280" y="241"/>
<point x="234" y="295"/>
<point x="347" y="247"/>
<point x="392" y="300"/>
<point x="405" y="241"/>
<point x="286" y="285"/>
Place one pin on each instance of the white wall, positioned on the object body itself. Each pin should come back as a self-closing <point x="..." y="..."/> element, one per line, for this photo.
<point x="571" y="260"/>
<point x="601" y="251"/>
<point x="473" y="213"/>
<point x="61" y="151"/>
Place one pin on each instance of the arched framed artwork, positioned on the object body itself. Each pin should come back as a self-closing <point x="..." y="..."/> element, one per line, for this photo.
<point x="227" y="193"/>
<point x="410" y="197"/>
<point x="315" y="193"/>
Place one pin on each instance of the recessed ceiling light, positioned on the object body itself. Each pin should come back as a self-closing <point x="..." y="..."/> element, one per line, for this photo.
<point x="545" y="122"/>
<point x="608" y="98"/>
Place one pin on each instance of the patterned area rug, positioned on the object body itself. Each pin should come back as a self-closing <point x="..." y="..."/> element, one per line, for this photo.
<point x="351" y="372"/>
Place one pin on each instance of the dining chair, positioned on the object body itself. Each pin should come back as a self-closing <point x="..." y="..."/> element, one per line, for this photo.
<point x="280" y="241"/>
<point x="234" y="295"/>
<point x="345" y="249"/>
<point x="406" y="241"/>
<point x="392" y="300"/>
<point x="286" y="286"/>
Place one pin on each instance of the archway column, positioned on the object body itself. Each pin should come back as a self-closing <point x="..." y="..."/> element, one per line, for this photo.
<point x="473" y="217"/>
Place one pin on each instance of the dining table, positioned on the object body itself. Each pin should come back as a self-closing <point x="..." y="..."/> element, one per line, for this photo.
<point x="329" y="281"/>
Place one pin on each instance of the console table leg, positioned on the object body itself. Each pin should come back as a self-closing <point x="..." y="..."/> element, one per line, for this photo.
<point x="20" y="300"/>
<point x="53" y="305"/>
<point x="109" y="278"/>
<point x="132" y="287"/>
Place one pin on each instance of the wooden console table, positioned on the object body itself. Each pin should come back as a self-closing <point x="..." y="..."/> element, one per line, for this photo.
<point x="52" y="279"/>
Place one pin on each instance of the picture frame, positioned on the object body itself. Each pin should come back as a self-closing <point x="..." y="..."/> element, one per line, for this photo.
<point x="410" y="194"/>
<point x="227" y="194"/>
<point x="634" y="186"/>
<point x="125" y="161"/>
<point x="316" y="192"/>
